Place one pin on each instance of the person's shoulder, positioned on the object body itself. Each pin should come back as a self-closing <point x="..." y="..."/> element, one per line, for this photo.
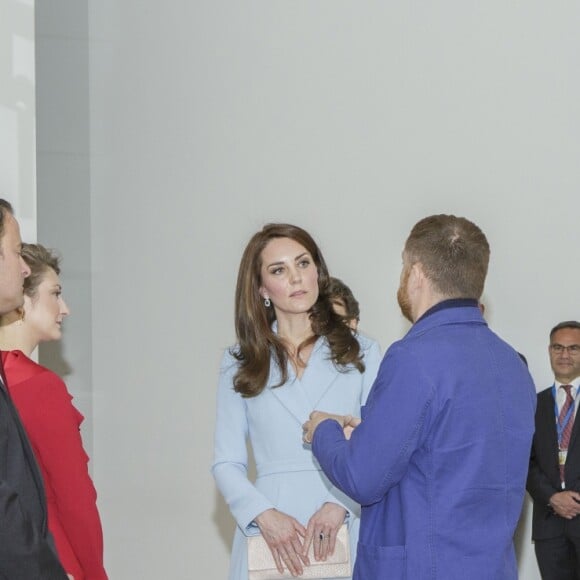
<point x="34" y="385"/>
<point x="51" y="386"/>
<point x="229" y="360"/>
<point x="18" y="358"/>
<point x="364" y="340"/>
<point x="20" y="368"/>
<point x="405" y="352"/>
<point x="545" y="393"/>
<point x="366" y="343"/>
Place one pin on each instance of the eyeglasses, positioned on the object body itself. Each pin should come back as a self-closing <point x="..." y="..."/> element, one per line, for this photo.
<point x="560" y="348"/>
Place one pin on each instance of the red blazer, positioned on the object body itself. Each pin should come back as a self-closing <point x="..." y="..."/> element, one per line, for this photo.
<point x="53" y="427"/>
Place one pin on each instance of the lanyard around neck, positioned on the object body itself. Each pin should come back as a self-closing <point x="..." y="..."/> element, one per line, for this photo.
<point x="560" y="427"/>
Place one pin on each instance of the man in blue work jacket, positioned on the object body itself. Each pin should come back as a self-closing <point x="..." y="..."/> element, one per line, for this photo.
<point x="440" y="459"/>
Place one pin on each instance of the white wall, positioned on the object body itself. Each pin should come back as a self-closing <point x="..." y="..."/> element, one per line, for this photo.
<point x="17" y="112"/>
<point x="208" y="119"/>
<point x="64" y="196"/>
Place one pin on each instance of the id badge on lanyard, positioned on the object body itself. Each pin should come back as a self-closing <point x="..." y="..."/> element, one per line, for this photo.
<point x="562" y="455"/>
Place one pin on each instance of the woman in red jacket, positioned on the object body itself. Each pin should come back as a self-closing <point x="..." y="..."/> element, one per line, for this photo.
<point x="51" y="420"/>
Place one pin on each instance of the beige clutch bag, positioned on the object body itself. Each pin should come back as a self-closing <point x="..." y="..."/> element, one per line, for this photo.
<point x="261" y="564"/>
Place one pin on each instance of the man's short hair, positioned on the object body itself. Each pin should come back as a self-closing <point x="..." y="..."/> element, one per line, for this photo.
<point x="453" y="252"/>
<point x="5" y="207"/>
<point x="562" y="325"/>
<point x="338" y="290"/>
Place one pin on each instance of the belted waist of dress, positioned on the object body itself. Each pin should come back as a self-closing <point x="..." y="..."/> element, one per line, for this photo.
<point x="282" y="466"/>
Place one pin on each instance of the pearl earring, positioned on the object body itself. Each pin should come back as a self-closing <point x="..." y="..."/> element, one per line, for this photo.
<point x="267" y="302"/>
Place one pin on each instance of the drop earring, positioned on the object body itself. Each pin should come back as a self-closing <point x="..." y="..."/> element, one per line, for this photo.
<point x="267" y="302"/>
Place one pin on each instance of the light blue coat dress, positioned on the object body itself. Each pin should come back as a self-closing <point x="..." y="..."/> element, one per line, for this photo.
<point x="288" y="477"/>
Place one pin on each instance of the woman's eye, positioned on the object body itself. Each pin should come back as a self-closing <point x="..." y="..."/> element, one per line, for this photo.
<point x="276" y="271"/>
<point x="304" y="263"/>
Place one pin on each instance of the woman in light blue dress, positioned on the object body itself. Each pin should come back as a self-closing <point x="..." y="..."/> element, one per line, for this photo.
<point x="294" y="354"/>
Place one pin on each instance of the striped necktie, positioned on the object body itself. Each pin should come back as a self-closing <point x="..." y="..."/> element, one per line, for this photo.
<point x="565" y="440"/>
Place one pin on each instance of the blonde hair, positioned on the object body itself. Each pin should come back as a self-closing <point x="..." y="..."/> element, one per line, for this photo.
<point x="39" y="259"/>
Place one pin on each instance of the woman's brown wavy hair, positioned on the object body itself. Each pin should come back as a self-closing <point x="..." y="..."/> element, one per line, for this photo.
<point x="256" y="339"/>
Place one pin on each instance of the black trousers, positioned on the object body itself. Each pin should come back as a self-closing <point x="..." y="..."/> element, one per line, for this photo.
<point x="559" y="558"/>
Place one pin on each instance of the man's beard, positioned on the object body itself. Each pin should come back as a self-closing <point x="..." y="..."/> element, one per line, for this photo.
<point x="403" y="296"/>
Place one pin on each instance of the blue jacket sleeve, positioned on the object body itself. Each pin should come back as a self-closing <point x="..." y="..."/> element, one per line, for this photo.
<point x="372" y="361"/>
<point x="394" y="423"/>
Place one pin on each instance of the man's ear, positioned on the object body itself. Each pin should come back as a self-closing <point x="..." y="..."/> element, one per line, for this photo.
<point x="416" y="277"/>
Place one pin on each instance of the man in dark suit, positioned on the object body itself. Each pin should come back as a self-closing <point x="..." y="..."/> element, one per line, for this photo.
<point x="26" y="548"/>
<point x="554" y="476"/>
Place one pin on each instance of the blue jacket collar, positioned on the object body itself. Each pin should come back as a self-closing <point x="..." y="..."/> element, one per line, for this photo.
<point x="449" y="311"/>
<point x="450" y="303"/>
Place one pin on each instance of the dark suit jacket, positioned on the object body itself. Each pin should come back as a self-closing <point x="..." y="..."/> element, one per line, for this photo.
<point x="544" y="474"/>
<point x="26" y="551"/>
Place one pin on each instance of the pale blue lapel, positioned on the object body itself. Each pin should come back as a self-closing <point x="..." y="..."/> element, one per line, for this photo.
<point x="320" y="375"/>
<point x="290" y="395"/>
<point x="301" y="397"/>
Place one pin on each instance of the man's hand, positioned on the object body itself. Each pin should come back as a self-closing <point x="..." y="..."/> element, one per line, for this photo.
<point x="351" y="426"/>
<point x="566" y="504"/>
<point x="347" y="422"/>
